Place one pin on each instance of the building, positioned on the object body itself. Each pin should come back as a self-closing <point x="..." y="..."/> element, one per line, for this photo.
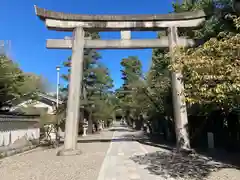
<point x="38" y="100"/>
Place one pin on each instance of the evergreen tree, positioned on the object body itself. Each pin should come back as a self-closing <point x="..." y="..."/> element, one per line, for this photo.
<point x="96" y="82"/>
<point x="14" y="83"/>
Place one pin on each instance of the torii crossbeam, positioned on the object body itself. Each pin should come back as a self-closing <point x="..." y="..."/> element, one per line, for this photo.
<point x="68" y="22"/>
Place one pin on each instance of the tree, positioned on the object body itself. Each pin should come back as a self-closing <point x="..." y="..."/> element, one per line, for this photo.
<point x="132" y="77"/>
<point x="211" y="71"/>
<point x="96" y="82"/>
<point x="218" y="21"/>
<point x="158" y="79"/>
<point x="33" y="83"/>
<point x="214" y="24"/>
<point x="217" y="30"/>
<point x="158" y="91"/>
<point x="15" y="83"/>
<point x="105" y="108"/>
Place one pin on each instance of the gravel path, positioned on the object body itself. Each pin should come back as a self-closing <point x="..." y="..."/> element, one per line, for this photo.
<point x="40" y="164"/>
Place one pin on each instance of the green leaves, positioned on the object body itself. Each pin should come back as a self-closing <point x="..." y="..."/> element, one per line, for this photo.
<point x="96" y="82"/>
<point x="15" y="83"/>
<point x="131" y="75"/>
<point x="211" y="71"/>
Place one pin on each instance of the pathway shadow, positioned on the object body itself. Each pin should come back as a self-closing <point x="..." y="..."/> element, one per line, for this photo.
<point x="155" y="141"/>
<point x="222" y="156"/>
<point x="169" y="164"/>
<point x="103" y="140"/>
<point x="162" y="146"/>
<point x="121" y="130"/>
<point x="128" y="136"/>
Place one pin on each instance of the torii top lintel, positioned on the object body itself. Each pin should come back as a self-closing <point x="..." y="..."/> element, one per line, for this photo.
<point x="67" y="22"/>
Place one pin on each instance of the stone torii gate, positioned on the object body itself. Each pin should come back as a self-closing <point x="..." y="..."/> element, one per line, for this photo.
<point x="78" y="23"/>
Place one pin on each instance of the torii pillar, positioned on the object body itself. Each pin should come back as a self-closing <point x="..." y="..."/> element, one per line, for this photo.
<point x="75" y="84"/>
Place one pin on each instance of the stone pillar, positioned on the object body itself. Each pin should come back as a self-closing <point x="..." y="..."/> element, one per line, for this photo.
<point x="90" y="122"/>
<point x="210" y="136"/>
<point x="179" y="104"/>
<point x="73" y="106"/>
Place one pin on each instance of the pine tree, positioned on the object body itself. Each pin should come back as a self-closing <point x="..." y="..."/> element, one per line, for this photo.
<point x="96" y="82"/>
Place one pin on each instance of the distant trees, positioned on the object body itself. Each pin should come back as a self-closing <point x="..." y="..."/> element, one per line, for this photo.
<point x="15" y="83"/>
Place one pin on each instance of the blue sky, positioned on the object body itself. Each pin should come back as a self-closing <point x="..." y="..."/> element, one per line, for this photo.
<point x="28" y="34"/>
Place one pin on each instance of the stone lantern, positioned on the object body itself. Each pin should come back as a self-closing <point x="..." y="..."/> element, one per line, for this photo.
<point x="85" y="127"/>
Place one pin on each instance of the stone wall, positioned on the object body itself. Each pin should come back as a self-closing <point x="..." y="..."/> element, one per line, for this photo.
<point x="15" y="127"/>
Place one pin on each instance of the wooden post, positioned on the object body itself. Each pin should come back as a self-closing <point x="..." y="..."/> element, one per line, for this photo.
<point x="179" y="104"/>
<point x="73" y="106"/>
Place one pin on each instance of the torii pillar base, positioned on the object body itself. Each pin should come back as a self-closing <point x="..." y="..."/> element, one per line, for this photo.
<point x="69" y="152"/>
